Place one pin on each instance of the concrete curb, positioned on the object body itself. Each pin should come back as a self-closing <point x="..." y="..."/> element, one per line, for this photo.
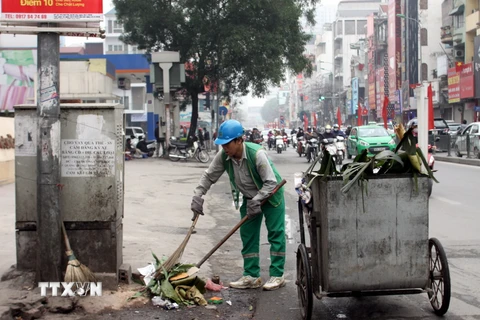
<point x="455" y="159"/>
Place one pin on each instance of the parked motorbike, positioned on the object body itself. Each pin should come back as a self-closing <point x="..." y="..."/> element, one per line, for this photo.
<point x="301" y="146"/>
<point x="279" y="144"/>
<point x="180" y="150"/>
<point x="311" y="149"/>
<point x="341" y="149"/>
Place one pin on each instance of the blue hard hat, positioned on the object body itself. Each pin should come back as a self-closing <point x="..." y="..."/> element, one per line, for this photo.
<point x="228" y="131"/>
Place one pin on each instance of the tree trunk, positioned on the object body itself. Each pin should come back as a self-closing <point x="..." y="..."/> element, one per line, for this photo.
<point x="194" y="119"/>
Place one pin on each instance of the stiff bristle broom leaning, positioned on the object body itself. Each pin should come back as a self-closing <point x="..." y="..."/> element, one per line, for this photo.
<point x="76" y="271"/>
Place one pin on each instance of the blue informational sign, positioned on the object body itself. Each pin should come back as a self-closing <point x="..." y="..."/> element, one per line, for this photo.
<point x="476" y="108"/>
<point x="222" y="111"/>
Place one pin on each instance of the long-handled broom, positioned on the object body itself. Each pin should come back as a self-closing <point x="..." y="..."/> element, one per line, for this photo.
<point x="76" y="271"/>
<point x="175" y="257"/>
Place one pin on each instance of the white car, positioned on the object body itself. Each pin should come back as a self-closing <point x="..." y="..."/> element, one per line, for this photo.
<point x="473" y="132"/>
<point x="134" y="131"/>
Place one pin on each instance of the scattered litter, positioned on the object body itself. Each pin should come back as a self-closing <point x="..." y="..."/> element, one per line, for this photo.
<point x="159" y="302"/>
<point x="341" y="316"/>
<point x="229" y="302"/>
<point x="137" y="311"/>
<point x="211" y="307"/>
<point x="215" y="300"/>
<point x="147" y="272"/>
<point x="171" y="306"/>
<point x="250" y="308"/>
<point x="179" y="276"/>
<point x="210" y="285"/>
<point x="216" y="279"/>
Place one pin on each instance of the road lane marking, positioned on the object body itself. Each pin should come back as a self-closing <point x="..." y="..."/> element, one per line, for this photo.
<point x="452" y="202"/>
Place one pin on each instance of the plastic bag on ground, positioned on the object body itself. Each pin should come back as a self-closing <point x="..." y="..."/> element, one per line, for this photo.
<point x="213" y="286"/>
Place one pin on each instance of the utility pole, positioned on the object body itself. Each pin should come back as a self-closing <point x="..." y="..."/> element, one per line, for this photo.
<point x="49" y="218"/>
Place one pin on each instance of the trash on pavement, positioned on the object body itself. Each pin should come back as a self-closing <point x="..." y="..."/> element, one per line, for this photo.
<point x="170" y="306"/>
<point x="210" y="285"/>
<point x="229" y="302"/>
<point x="159" y="302"/>
<point x="211" y="307"/>
<point x="215" y="300"/>
<point x="147" y="272"/>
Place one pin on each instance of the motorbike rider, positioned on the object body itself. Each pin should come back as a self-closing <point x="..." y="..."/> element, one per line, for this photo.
<point x="337" y="132"/>
<point x="300" y="133"/>
<point x="328" y="134"/>
<point x="255" y="137"/>
<point x="271" y="139"/>
<point x="310" y="134"/>
<point x="349" y="128"/>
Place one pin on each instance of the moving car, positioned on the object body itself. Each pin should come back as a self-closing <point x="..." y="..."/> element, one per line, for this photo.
<point x="440" y="125"/>
<point x="373" y="138"/>
<point x="473" y="132"/>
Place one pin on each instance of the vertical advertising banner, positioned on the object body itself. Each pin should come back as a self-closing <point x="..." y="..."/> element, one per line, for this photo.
<point x="412" y="45"/>
<point x="467" y="89"/>
<point x="453" y="85"/>
<point x="354" y="95"/>
<point x="476" y="66"/>
<point x="394" y="48"/>
<point x="380" y="90"/>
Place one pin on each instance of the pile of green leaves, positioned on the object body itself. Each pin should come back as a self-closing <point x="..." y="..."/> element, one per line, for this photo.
<point x="406" y="159"/>
<point x="166" y="289"/>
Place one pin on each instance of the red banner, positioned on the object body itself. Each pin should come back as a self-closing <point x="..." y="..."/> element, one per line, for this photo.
<point x="339" y="117"/>
<point x="46" y="10"/>
<point x="467" y="89"/>
<point x="394" y="47"/>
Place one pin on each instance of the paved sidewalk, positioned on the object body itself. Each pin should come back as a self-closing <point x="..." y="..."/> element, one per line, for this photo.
<point x="442" y="156"/>
<point x="157" y="216"/>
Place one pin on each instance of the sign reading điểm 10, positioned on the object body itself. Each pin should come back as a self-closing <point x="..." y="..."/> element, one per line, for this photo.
<point x="51" y="10"/>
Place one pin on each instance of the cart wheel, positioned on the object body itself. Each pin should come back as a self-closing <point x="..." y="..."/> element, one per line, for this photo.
<point x="304" y="283"/>
<point x="439" y="278"/>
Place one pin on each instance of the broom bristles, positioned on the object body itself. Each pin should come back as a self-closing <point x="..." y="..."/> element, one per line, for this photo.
<point x="174" y="258"/>
<point x="76" y="271"/>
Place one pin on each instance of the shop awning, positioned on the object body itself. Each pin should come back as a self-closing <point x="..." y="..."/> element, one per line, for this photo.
<point x="457" y="11"/>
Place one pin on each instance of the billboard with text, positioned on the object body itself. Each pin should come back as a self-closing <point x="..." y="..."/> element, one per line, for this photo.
<point x="52" y="10"/>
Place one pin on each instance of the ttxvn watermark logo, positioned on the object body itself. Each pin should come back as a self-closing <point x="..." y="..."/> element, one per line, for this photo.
<point x="70" y="289"/>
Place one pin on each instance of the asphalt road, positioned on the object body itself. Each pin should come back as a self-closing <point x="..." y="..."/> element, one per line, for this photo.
<point x="454" y="220"/>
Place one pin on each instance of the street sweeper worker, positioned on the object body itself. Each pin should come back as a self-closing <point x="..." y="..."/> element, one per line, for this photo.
<point x="253" y="175"/>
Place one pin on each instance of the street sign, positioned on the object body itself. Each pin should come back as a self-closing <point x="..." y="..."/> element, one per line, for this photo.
<point x="52" y="10"/>
<point x="222" y="111"/>
<point x="476" y="108"/>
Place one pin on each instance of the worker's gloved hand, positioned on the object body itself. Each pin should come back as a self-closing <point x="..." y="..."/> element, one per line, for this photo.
<point x="254" y="208"/>
<point x="197" y="205"/>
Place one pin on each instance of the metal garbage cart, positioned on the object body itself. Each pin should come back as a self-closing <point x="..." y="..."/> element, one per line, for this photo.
<point x="373" y="240"/>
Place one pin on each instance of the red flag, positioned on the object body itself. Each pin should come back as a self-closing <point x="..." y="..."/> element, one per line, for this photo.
<point x="431" y="124"/>
<point x="384" y="111"/>
<point x="305" y="122"/>
<point x="359" y="115"/>
<point x="314" y="120"/>
<point x="339" y="117"/>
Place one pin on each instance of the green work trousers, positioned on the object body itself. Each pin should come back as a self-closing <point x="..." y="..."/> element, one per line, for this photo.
<point x="250" y="234"/>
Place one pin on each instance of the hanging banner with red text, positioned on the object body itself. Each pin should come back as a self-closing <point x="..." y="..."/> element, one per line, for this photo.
<point x="52" y="10"/>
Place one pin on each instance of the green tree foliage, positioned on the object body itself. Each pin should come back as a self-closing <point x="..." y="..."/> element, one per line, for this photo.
<point x="269" y="110"/>
<point x="247" y="44"/>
